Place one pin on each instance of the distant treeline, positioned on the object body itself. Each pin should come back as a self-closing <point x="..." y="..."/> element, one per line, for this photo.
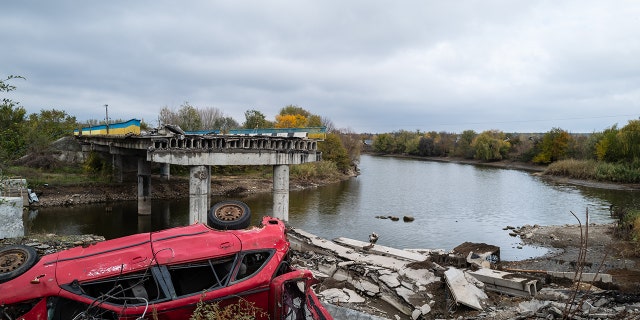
<point x="610" y="155"/>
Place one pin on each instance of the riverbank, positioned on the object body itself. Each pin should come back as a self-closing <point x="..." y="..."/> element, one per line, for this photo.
<point x="175" y="188"/>
<point x="535" y="169"/>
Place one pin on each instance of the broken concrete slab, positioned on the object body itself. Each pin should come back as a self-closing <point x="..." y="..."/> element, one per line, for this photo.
<point x="509" y="283"/>
<point x="584" y="277"/>
<point x="344" y="295"/>
<point x="463" y="291"/>
<point x="300" y="240"/>
<point x="382" y="250"/>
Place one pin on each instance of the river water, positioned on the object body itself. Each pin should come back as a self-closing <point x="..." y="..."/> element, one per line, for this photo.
<point x="451" y="203"/>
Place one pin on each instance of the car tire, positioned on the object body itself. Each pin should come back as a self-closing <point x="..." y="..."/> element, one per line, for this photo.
<point x="16" y="260"/>
<point x="229" y="215"/>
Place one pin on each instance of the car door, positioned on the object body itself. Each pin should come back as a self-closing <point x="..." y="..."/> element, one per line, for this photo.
<point x="292" y="298"/>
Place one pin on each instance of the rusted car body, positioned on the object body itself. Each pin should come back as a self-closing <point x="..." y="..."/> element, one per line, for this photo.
<point x="163" y="275"/>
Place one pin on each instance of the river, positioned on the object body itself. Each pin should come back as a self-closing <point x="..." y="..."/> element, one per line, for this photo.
<point x="451" y="203"/>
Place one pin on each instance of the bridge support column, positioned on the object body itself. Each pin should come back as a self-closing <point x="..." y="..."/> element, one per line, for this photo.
<point x="144" y="187"/>
<point x="116" y="165"/>
<point x="165" y="171"/>
<point x="199" y="190"/>
<point x="281" y="192"/>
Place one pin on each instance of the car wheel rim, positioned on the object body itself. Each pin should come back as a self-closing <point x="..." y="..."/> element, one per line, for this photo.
<point x="229" y="213"/>
<point x="12" y="260"/>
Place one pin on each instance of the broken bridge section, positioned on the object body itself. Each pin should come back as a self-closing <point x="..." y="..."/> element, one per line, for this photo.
<point x="172" y="146"/>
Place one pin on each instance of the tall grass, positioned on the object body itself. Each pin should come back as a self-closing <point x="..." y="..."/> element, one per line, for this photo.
<point x="60" y="176"/>
<point x="596" y="170"/>
<point x="315" y="171"/>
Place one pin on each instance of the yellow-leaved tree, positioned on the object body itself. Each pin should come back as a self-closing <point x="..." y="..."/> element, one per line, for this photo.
<point x="290" y="121"/>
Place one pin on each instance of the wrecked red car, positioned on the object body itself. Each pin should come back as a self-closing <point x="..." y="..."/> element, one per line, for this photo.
<point x="159" y="275"/>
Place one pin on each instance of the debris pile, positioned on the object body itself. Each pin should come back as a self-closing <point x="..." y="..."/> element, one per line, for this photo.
<point x="430" y="284"/>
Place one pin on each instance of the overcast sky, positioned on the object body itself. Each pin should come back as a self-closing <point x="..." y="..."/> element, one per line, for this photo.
<point x="370" y="66"/>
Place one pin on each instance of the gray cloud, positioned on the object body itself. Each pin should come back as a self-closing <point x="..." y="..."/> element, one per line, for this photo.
<point x="372" y="66"/>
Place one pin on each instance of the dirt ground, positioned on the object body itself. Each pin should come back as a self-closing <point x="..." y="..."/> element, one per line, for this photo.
<point x="604" y="253"/>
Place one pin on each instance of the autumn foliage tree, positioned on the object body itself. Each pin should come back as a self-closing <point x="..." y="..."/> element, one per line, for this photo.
<point x="293" y="116"/>
<point x="290" y="121"/>
<point x="553" y="147"/>
<point x="491" y="145"/>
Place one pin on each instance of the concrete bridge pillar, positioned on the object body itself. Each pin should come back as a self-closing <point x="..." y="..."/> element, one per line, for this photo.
<point x="165" y="171"/>
<point x="281" y="192"/>
<point x="144" y="187"/>
<point x="199" y="190"/>
<point x="116" y="165"/>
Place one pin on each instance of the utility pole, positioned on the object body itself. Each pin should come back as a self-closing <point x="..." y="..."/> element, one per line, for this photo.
<point x="106" y="110"/>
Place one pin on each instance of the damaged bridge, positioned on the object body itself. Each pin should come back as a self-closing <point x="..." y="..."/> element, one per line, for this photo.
<point x="199" y="151"/>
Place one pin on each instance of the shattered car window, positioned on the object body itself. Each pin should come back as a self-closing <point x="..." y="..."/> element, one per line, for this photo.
<point x="252" y="262"/>
<point x="132" y="289"/>
<point x="195" y="277"/>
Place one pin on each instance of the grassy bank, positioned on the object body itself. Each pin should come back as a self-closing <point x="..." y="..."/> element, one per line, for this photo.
<point x="76" y="175"/>
<point x="62" y="176"/>
<point x="596" y="170"/>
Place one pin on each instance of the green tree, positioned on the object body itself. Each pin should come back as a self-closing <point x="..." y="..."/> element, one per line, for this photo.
<point x="608" y="147"/>
<point x="294" y="110"/>
<point x="383" y="143"/>
<point x="254" y="119"/>
<point x="553" y="147"/>
<point x="491" y="145"/>
<point x="12" y="119"/>
<point x="47" y="126"/>
<point x="463" y="144"/>
<point x="314" y="121"/>
<point x="333" y="150"/>
<point x="445" y="143"/>
<point x="189" y="118"/>
<point x="426" y="146"/>
<point x="402" y="140"/>
<point x="629" y="137"/>
<point x="352" y="143"/>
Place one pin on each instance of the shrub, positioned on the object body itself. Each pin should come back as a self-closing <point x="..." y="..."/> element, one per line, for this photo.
<point x="578" y="169"/>
<point x="243" y="310"/>
<point x="596" y="170"/>
<point x="628" y="224"/>
<point x="315" y="170"/>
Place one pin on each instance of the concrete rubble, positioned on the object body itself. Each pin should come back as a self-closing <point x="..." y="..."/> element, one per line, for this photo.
<point x="379" y="282"/>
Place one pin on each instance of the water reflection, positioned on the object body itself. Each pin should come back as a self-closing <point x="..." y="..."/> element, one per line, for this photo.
<point x="451" y="204"/>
